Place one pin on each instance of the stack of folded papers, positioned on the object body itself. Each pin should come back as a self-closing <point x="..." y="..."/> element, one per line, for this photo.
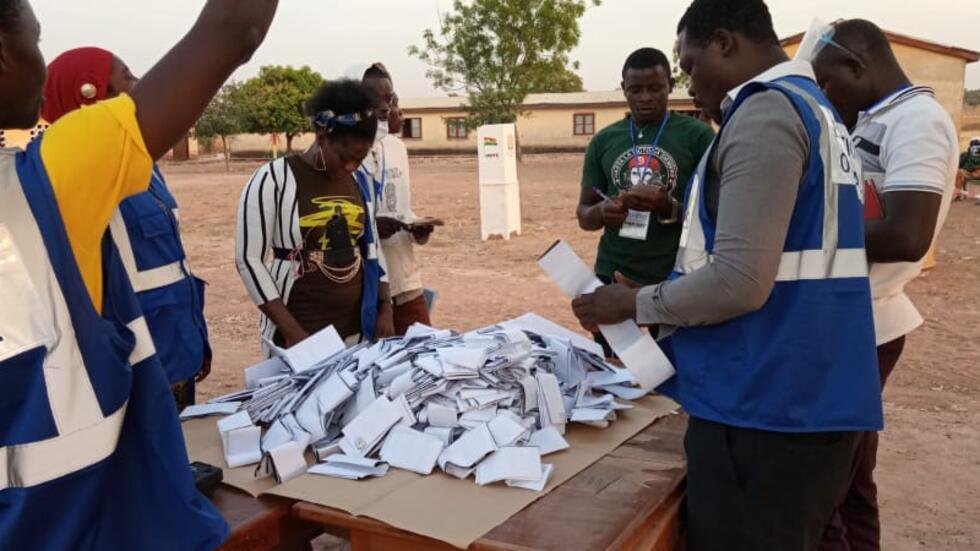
<point x="488" y="404"/>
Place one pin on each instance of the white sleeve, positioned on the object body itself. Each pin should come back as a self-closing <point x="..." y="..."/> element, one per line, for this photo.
<point x="253" y="238"/>
<point x="917" y="150"/>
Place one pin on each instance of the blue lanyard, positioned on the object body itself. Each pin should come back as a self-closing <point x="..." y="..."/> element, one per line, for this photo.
<point x="653" y="152"/>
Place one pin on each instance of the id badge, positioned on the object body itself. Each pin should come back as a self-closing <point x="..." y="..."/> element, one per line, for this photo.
<point x="637" y="225"/>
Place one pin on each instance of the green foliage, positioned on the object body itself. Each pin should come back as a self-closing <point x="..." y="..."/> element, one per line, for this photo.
<point x="499" y="51"/>
<point x="223" y="116"/>
<point x="681" y="79"/>
<point x="273" y="101"/>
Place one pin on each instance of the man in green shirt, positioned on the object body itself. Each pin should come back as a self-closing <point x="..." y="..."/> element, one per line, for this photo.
<point x="630" y="165"/>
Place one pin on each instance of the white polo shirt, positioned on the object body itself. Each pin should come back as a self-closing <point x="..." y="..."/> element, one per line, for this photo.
<point x="907" y="142"/>
<point x="396" y="201"/>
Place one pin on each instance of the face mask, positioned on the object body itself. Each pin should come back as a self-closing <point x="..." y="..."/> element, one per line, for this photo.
<point x="382" y="131"/>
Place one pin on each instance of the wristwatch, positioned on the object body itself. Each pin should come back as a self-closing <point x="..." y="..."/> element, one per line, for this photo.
<point x="675" y="213"/>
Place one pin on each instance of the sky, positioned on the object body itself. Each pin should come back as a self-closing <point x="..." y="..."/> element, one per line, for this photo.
<point x="341" y="37"/>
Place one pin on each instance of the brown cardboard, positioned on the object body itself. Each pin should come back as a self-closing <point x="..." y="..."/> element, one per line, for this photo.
<point x="438" y="506"/>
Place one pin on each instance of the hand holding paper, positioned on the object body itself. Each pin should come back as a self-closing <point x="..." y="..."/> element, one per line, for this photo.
<point x="637" y="350"/>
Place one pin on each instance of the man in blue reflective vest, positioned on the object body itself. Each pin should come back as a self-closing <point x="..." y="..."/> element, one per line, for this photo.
<point x="774" y="341"/>
<point x="145" y="229"/>
<point x="91" y="452"/>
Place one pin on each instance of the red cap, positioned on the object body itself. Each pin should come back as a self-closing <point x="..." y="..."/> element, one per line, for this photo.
<point x="75" y="78"/>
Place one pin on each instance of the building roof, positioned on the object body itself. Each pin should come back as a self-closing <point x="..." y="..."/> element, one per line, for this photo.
<point x="896" y="38"/>
<point x="535" y="101"/>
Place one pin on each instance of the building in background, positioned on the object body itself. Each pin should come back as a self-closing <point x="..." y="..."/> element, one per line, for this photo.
<point x="566" y="122"/>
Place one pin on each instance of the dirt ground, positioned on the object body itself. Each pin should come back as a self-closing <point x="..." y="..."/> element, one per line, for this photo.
<point x="929" y="461"/>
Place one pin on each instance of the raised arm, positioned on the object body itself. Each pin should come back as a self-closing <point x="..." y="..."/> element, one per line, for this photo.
<point x="173" y="94"/>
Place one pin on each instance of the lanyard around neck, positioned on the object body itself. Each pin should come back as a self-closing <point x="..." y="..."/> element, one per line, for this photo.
<point x="653" y="145"/>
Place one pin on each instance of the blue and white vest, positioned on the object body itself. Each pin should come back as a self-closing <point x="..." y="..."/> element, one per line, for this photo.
<point x="806" y="361"/>
<point x="146" y="230"/>
<point x="91" y="450"/>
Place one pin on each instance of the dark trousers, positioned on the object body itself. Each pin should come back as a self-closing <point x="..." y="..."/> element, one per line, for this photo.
<point x="754" y="490"/>
<point x="409" y="313"/>
<point x="855" y="525"/>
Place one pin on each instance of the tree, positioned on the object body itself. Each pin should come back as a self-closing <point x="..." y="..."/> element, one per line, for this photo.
<point x="499" y="51"/>
<point x="222" y="118"/>
<point x="273" y="101"/>
<point x="681" y="79"/>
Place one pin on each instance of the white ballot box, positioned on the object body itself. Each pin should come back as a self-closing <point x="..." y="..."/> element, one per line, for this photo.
<point x="500" y="192"/>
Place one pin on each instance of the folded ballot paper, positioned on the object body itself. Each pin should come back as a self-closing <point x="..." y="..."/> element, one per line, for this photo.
<point x="637" y="350"/>
<point x="486" y="405"/>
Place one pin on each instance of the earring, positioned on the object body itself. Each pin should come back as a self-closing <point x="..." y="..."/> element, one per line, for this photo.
<point x="320" y="163"/>
<point x="89" y="91"/>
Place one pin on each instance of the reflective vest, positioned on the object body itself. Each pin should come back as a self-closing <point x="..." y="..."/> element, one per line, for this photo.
<point x="145" y="229"/>
<point x="91" y="450"/>
<point x="805" y="361"/>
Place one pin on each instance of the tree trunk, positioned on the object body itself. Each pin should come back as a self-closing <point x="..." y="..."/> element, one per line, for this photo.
<point x="517" y="143"/>
<point x="224" y="149"/>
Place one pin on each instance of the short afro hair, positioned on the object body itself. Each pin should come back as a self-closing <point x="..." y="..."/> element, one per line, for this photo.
<point x="747" y="17"/>
<point x="646" y="58"/>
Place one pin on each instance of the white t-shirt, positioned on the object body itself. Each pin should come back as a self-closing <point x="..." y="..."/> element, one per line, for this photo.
<point x="396" y="201"/>
<point x="907" y="142"/>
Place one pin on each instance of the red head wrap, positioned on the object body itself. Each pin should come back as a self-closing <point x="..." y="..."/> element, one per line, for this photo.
<point x="76" y="78"/>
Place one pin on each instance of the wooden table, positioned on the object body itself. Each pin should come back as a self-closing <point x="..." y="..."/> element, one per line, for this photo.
<point x="262" y="524"/>
<point x="630" y="499"/>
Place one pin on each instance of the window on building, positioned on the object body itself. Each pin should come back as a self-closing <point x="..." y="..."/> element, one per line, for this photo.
<point x="412" y="129"/>
<point x="584" y="124"/>
<point x="456" y="129"/>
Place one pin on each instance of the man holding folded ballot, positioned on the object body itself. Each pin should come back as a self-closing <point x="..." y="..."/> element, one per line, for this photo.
<point x="626" y="164"/>
<point x="774" y="343"/>
<point x="398" y="226"/>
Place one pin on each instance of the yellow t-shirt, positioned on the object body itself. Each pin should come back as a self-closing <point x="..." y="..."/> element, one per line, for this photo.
<point x="95" y="157"/>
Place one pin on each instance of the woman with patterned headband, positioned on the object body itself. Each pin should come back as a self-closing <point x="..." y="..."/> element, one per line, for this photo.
<point x="312" y="216"/>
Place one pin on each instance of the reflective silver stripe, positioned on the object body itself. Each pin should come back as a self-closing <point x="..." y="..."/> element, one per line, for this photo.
<point x="73" y="402"/>
<point x="27" y="465"/>
<point x="147" y="279"/>
<point x="144" y="342"/>
<point x="820" y="264"/>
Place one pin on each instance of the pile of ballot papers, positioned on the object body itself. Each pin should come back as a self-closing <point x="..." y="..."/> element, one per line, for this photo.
<point x="491" y="404"/>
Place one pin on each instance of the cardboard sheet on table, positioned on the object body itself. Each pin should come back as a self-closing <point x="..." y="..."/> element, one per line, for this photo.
<point x="458" y="511"/>
<point x="204" y="445"/>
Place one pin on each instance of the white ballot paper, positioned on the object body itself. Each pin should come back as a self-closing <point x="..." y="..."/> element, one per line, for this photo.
<point x="636" y="349"/>
<point x="287" y="461"/>
<point x="512" y="463"/>
<point x="314" y="349"/>
<point x="240" y="440"/>
<point x="537" y="485"/>
<point x="364" y="432"/>
<point x="205" y="410"/>
<point x="349" y="467"/>
<point x="411" y="450"/>
<point x="548" y="440"/>
<point x="268" y="369"/>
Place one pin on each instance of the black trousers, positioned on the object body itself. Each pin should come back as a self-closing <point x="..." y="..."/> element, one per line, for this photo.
<point x="754" y="490"/>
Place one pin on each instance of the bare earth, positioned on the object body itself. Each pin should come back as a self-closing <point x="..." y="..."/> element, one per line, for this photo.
<point x="929" y="462"/>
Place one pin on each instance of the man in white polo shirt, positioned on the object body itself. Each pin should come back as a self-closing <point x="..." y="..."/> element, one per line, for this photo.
<point x="908" y="147"/>
<point x="397" y="224"/>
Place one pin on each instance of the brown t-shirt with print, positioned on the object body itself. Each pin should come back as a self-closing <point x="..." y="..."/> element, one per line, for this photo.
<point x="331" y="220"/>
